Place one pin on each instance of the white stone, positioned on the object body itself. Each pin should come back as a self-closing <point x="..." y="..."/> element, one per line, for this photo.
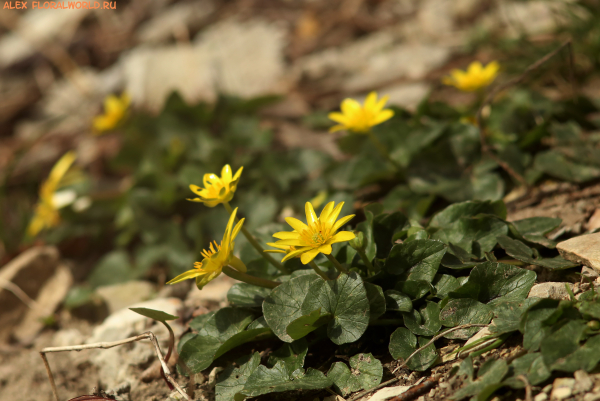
<point x="584" y="249"/>
<point x="562" y="388"/>
<point x="388" y="392"/>
<point x="122" y="295"/>
<point x="583" y="382"/>
<point x="124" y="323"/>
<point x="541" y="397"/>
<point x="550" y="290"/>
<point x="407" y="95"/>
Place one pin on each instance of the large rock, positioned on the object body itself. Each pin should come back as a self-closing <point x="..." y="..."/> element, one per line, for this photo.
<point x="27" y="273"/>
<point x="122" y="295"/>
<point x="550" y="290"/>
<point x="584" y="249"/>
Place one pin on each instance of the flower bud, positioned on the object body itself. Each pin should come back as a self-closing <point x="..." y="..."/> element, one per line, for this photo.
<point x="358" y="242"/>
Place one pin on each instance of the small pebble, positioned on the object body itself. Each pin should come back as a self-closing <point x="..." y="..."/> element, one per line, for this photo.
<point x="541" y="397"/>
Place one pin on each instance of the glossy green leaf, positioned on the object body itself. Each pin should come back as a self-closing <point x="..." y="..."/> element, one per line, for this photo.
<point x="532" y="366"/>
<point x="507" y="315"/>
<point x="346" y="299"/>
<point x="247" y="295"/>
<point x="377" y="301"/>
<point x="532" y="323"/>
<point x="284" y="304"/>
<point x="366" y="373"/>
<point x="403" y="343"/>
<point x="444" y="284"/>
<point x="291" y="354"/>
<point x="467" y="209"/>
<point x="476" y="235"/>
<point x="522" y="252"/>
<point x="464" y="311"/>
<point x="494" y="283"/>
<point x="562" y="342"/>
<point x="419" y="259"/>
<point x="397" y="301"/>
<point x="425" y="321"/>
<point x="415" y="289"/>
<point x="232" y="380"/>
<point x="276" y="379"/>
<point x="157" y="315"/>
<point x="488" y="379"/>
<point x="305" y="324"/>
<point x="585" y="357"/>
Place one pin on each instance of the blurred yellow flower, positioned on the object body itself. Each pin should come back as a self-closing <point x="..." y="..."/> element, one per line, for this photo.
<point x="217" y="189"/>
<point x="360" y="119"/>
<point x="114" y="111"/>
<point x="215" y="259"/>
<point x="315" y="237"/>
<point x="46" y="211"/>
<point x="475" y="78"/>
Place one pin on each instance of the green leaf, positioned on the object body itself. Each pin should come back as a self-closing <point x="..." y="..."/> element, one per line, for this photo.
<point x="284" y="304"/>
<point x="536" y="225"/>
<point x="113" y="268"/>
<point x="221" y="332"/>
<point x="467" y="209"/>
<point x="464" y="311"/>
<point x="564" y="341"/>
<point x="476" y="235"/>
<point x="420" y="259"/>
<point x="415" y="289"/>
<point x="377" y="301"/>
<point x="157" y="315"/>
<point x="585" y="357"/>
<point x="366" y="373"/>
<point x="247" y="295"/>
<point x="591" y="309"/>
<point x="507" y="315"/>
<point x="489" y="377"/>
<point x="444" y="284"/>
<point x="403" y="343"/>
<point x="532" y="323"/>
<point x="346" y="299"/>
<point x="276" y="379"/>
<point x="425" y="321"/>
<point x="384" y="227"/>
<point x="494" y="283"/>
<point x="367" y="228"/>
<point x="305" y="324"/>
<point x="522" y="252"/>
<point x="555" y="164"/>
<point x="532" y="366"/>
<point x="232" y="380"/>
<point x="291" y="354"/>
<point x="397" y="301"/>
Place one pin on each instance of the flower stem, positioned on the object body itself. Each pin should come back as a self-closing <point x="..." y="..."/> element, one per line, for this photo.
<point x="382" y="150"/>
<point x="365" y="260"/>
<point x="171" y="345"/>
<point x="337" y="264"/>
<point x="246" y="278"/>
<point x="256" y="245"/>
<point x="318" y="270"/>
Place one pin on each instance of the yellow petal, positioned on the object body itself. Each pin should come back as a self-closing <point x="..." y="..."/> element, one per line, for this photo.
<point x="286" y="235"/>
<point x="340" y="223"/>
<point x="291" y="242"/>
<point x="382" y="116"/>
<point x="381" y="103"/>
<point x="338" y="118"/>
<point x="326" y="211"/>
<point x="226" y="173"/>
<point x="307" y="257"/>
<point x="294" y="254"/>
<point x="237" y="264"/>
<point x="325" y="248"/>
<point x="296" y="224"/>
<point x="274" y="251"/>
<point x="186" y="276"/>
<point x="350" y="106"/>
<point x="209" y="179"/>
<point x="276" y="245"/>
<point x="237" y="228"/>
<point x="311" y="216"/>
<point x="342" y="236"/>
<point x="201" y="281"/>
<point x="474" y="68"/>
<point x="196" y="189"/>
<point x="334" y="215"/>
<point x="371" y="101"/>
<point x="238" y="174"/>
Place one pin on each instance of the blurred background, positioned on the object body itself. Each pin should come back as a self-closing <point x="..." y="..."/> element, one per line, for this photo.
<point x="196" y="85"/>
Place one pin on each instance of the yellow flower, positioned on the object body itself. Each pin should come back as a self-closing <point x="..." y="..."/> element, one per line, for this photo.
<point x="475" y="78"/>
<point x="114" y="111"/>
<point x="360" y="119"/>
<point x="217" y="189"/>
<point x="215" y="258"/>
<point x="315" y="237"/>
<point x="46" y="211"/>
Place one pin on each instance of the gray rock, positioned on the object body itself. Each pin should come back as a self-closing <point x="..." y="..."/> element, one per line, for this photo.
<point x="584" y="249"/>
<point x="589" y="272"/>
<point x="583" y="382"/>
<point x="122" y="295"/>
<point x="550" y="290"/>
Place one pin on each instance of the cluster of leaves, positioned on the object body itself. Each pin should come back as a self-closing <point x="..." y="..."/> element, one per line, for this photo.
<point x="559" y="336"/>
<point x="421" y="281"/>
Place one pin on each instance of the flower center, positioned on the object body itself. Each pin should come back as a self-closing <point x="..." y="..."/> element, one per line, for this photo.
<point x="317" y="238"/>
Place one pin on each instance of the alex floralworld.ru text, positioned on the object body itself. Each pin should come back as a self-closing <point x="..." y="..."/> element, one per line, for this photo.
<point x="64" y="5"/>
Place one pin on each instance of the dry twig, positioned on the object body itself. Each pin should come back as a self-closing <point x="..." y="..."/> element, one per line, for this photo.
<point x="105" y="345"/>
<point x="394" y="380"/>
